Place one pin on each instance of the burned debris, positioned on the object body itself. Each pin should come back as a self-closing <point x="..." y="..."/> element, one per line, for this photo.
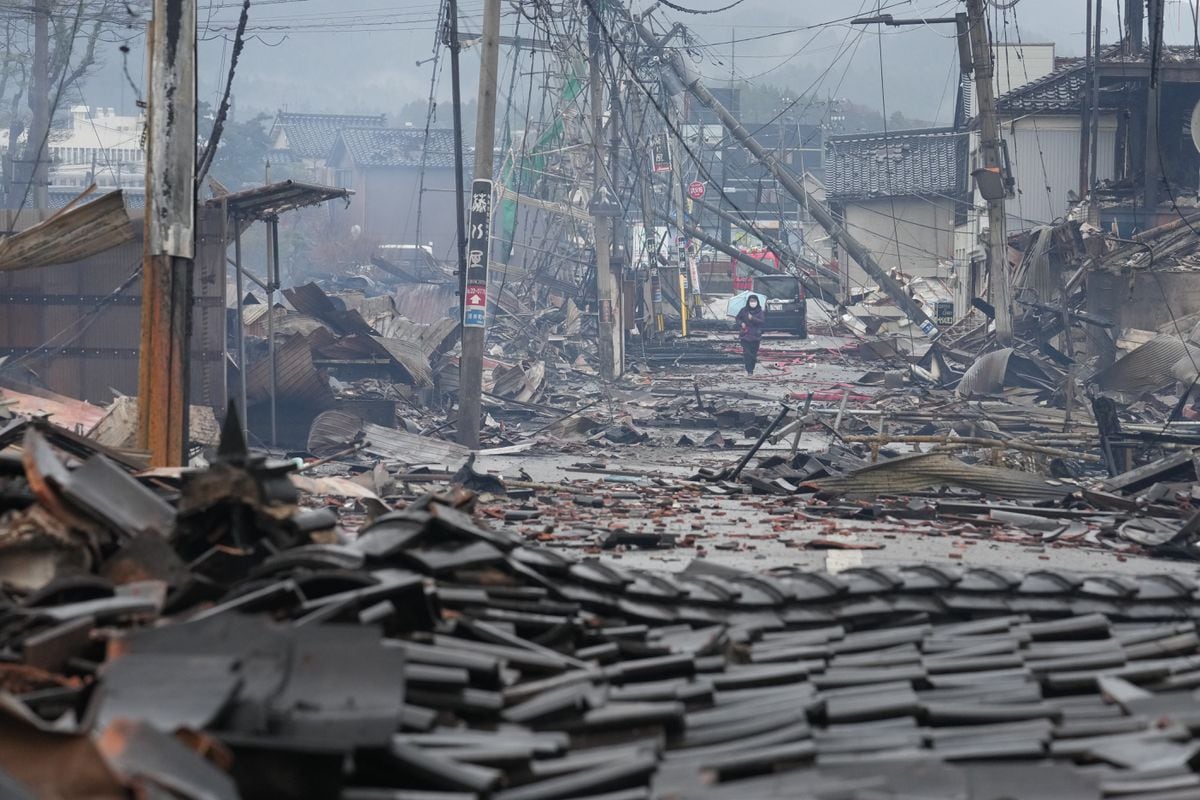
<point x="246" y="647"/>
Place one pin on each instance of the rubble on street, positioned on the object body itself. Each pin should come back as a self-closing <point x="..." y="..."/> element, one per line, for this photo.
<point x="214" y="633"/>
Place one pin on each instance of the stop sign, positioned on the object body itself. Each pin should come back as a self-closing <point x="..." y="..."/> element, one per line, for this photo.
<point x="696" y="190"/>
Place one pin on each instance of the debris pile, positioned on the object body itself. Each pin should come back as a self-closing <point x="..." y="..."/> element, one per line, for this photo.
<point x="209" y="638"/>
<point x="359" y="352"/>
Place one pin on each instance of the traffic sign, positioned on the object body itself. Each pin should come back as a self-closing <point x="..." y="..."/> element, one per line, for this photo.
<point x="696" y="190"/>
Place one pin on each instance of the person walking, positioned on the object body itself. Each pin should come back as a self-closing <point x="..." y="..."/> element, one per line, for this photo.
<point x="750" y="321"/>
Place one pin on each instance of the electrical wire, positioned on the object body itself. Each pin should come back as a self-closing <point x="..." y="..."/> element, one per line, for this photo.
<point x="697" y="11"/>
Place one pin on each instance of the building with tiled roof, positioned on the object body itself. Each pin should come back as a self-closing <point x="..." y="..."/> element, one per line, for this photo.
<point x="403" y="180"/>
<point x="395" y="147"/>
<point x="918" y="163"/>
<point x="1061" y="91"/>
<point x="899" y="193"/>
<point x="308" y="138"/>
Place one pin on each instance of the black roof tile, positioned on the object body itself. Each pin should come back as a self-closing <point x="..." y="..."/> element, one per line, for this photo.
<point x="397" y="147"/>
<point x="313" y="135"/>
<point x="926" y="162"/>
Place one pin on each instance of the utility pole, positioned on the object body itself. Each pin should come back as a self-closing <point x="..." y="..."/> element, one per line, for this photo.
<point x="602" y="204"/>
<point x="1094" y="123"/>
<point x="39" y="109"/>
<point x="169" y="234"/>
<point x="792" y="186"/>
<point x="652" y="288"/>
<point x="470" y="365"/>
<point x="460" y="200"/>
<point x="1085" y="128"/>
<point x="990" y="178"/>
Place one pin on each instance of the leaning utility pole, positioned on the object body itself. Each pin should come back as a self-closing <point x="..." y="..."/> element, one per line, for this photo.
<point x="993" y="171"/>
<point x="169" y="234"/>
<point x="470" y="365"/>
<point x="792" y="185"/>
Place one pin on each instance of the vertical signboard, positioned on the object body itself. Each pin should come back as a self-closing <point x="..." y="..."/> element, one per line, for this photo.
<point x="660" y="153"/>
<point x="479" y="225"/>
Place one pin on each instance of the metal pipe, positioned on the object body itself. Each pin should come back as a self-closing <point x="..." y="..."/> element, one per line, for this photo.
<point x="272" y="285"/>
<point x="783" y="412"/>
<point x="241" y="328"/>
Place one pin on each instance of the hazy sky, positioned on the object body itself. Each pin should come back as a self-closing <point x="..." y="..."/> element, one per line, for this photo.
<point x="344" y="56"/>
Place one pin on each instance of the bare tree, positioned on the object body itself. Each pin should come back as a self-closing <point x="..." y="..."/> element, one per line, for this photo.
<point x="60" y="40"/>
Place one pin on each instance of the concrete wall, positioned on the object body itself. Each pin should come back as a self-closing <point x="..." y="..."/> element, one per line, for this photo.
<point x="924" y="228"/>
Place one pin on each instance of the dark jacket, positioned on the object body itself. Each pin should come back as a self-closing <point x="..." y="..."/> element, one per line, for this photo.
<point x="750" y="323"/>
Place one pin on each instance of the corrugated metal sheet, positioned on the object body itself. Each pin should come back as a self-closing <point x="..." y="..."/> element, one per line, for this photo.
<point x="299" y="382"/>
<point x="332" y="431"/>
<point x="72" y="234"/>
<point x="427" y="302"/>
<point x="1146" y="369"/>
<point x="986" y="375"/>
<point x="411" y="356"/>
<point x="309" y="299"/>
<point x="929" y="471"/>
<point x="51" y="303"/>
<point x="1044" y="151"/>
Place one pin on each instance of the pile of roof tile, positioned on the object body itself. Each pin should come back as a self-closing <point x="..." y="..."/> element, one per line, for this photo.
<point x="215" y="640"/>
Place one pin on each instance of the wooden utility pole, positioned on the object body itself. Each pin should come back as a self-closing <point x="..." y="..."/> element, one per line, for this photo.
<point x="602" y="220"/>
<point x="999" y="281"/>
<point x="470" y="366"/>
<point x="169" y="234"/>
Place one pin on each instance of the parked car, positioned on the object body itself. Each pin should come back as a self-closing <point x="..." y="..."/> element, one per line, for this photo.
<point x="787" y="306"/>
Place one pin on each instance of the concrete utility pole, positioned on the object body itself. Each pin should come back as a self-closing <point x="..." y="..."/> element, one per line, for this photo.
<point x="1085" y="128"/>
<point x="999" y="280"/>
<point x="470" y="365"/>
<point x="602" y="220"/>
<point x="169" y="234"/>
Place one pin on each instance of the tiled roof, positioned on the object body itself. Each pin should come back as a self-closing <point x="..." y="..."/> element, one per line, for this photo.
<point x="1060" y="91"/>
<point x="398" y="147"/>
<point x="313" y="135"/>
<point x="916" y="162"/>
<point x="58" y="198"/>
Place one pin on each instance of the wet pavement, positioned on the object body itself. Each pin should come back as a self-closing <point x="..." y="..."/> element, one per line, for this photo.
<point x="755" y="532"/>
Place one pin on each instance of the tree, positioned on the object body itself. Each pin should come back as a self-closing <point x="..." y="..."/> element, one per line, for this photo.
<point x="242" y="152"/>
<point x="59" y="44"/>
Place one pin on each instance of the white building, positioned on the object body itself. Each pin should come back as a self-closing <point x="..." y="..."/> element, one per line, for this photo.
<point x="100" y="147"/>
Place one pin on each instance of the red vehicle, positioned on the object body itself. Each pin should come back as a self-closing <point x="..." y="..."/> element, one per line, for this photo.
<point x="743" y="276"/>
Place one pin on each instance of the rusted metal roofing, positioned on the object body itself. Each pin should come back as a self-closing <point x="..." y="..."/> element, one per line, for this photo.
<point x="927" y="471"/>
<point x="72" y="234"/>
<point x="268" y="202"/>
<point x="77" y="415"/>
